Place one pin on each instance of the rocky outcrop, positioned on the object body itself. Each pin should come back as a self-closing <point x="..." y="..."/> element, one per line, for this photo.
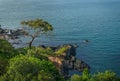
<point x="67" y="61"/>
<point x="70" y="61"/>
<point x="11" y="34"/>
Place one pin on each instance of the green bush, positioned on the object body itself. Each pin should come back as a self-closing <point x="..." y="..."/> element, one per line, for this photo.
<point x="105" y="76"/>
<point x="6" y="49"/>
<point x="76" y="77"/>
<point x="100" y="76"/>
<point x="61" y="50"/>
<point x="3" y="65"/>
<point x="85" y="76"/>
<point x="6" y="52"/>
<point x="37" y="52"/>
<point x="26" y="68"/>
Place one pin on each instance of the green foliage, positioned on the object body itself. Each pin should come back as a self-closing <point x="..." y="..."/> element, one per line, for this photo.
<point x="27" y="68"/>
<point x="23" y="65"/>
<point x="6" y="49"/>
<point x="106" y="76"/>
<point x="42" y="51"/>
<point x="75" y="77"/>
<point x="37" y="52"/>
<point x="43" y="76"/>
<point x="39" y="26"/>
<point x="61" y="50"/>
<point x="85" y="76"/>
<point x="3" y="64"/>
<point x="100" y="76"/>
<point x="6" y="52"/>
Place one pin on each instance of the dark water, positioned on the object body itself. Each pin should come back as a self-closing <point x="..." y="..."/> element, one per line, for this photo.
<point x="73" y="21"/>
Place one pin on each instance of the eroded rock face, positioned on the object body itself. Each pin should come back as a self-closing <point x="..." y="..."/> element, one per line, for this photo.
<point x="71" y="62"/>
<point x="67" y="61"/>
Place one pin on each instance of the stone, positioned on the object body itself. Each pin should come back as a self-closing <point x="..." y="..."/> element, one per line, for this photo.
<point x="70" y="62"/>
<point x="8" y="34"/>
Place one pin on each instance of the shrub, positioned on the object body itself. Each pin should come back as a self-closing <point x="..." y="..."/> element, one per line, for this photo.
<point x="37" y="52"/>
<point x="6" y="52"/>
<point x="100" y="76"/>
<point x="26" y="68"/>
<point x="61" y="50"/>
<point x="85" y="76"/>
<point x="6" y="49"/>
<point x="105" y="76"/>
<point x="3" y="65"/>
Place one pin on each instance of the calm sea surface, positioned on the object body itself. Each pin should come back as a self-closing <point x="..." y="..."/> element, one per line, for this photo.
<point x="74" y="21"/>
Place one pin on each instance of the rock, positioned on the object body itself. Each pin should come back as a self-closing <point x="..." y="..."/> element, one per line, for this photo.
<point x="15" y="41"/>
<point x="4" y="36"/>
<point x="1" y="30"/>
<point x="54" y="48"/>
<point x="42" y="46"/>
<point x="72" y="50"/>
<point x="18" y="32"/>
<point x="11" y="34"/>
<point x="75" y="45"/>
<point x="69" y="61"/>
<point x="73" y="58"/>
<point x="85" y="41"/>
<point x="64" y="69"/>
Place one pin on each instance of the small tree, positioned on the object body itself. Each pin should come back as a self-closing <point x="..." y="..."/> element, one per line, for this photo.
<point x="38" y="26"/>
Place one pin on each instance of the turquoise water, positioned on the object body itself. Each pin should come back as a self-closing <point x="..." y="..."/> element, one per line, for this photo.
<point x="73" y="21"/>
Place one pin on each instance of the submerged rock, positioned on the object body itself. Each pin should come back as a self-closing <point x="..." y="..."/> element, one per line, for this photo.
<point x="85" y="41"/>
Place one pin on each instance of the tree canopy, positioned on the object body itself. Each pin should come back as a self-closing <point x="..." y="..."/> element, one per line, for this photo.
<point x="38" y="26"/>
<point x="27" y="68"/>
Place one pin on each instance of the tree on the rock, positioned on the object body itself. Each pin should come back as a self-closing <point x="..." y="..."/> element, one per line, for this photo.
<point x="39" y="26"/>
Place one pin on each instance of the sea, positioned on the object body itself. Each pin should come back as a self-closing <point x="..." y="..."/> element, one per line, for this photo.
<point x="74" y="22"/>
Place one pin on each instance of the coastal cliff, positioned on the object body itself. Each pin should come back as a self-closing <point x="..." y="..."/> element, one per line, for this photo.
<point x="67" y="60"/>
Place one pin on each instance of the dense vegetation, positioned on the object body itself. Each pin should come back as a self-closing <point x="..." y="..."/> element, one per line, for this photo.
<point x="100" y="76"/>
<point x="26" y="64"/>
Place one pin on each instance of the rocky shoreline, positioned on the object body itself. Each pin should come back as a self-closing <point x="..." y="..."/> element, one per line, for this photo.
<point x="67" y="61"/>
<point x="10" y="33"/>
<point x="64" y="62"/>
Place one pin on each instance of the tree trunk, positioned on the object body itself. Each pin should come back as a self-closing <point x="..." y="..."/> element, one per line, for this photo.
<point x="30" y="43"/>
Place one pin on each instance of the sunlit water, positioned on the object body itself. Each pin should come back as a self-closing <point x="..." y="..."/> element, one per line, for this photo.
<point x="74" y="21"/>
